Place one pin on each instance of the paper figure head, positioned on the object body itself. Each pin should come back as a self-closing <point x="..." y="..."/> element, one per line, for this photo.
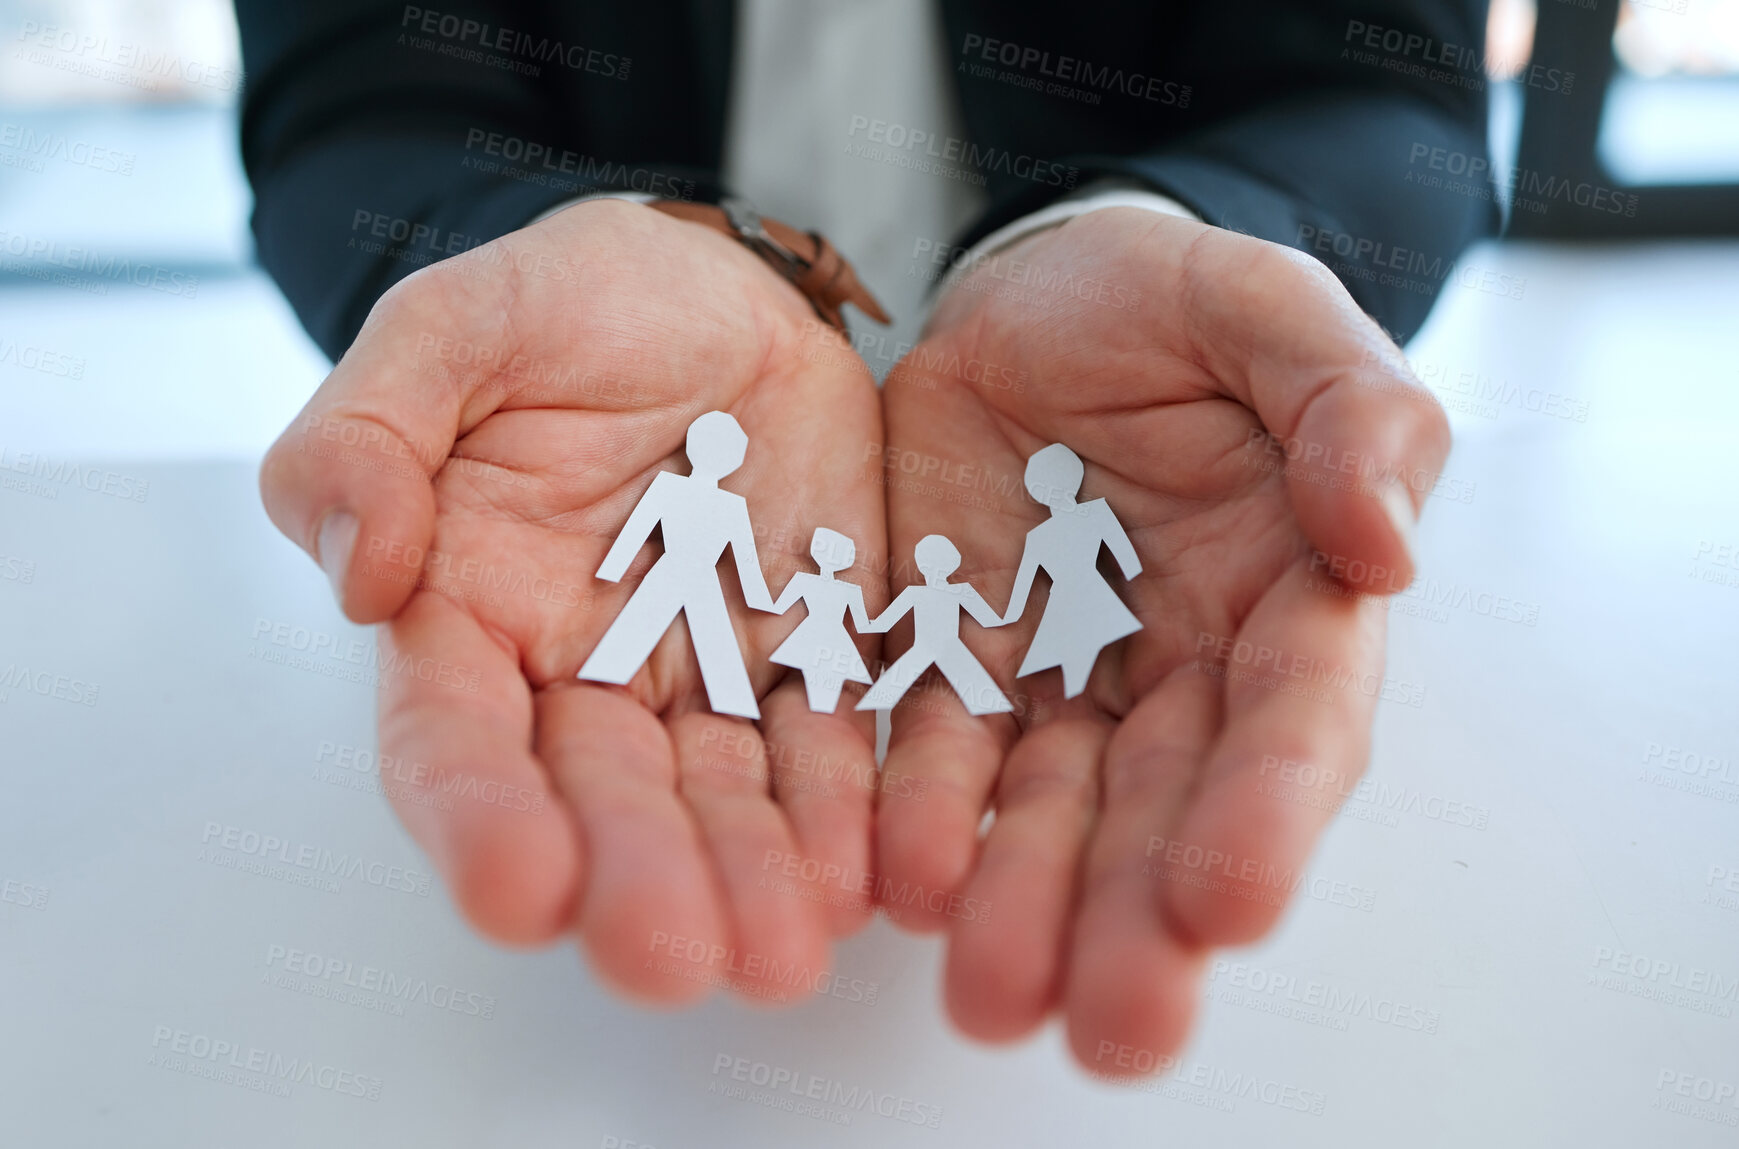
<point x="937" y="558"/>
<point x="1053" y="476"/>
<point x="831" y="550"/>
<point x="715" y="445"/>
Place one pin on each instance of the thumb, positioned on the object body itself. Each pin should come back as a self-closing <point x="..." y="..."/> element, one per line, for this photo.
<point x="1359" y="441"/>
<point x="350" y="480"/>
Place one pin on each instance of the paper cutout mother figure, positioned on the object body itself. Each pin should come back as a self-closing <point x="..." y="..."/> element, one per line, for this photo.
<point x="820" y="646"/>
<point x="700" y="521"/>
<point x="936" y="640"/>
<point x="1084" y="615"/>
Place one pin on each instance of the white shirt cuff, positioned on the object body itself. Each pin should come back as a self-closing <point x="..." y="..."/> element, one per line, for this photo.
<point x="630" y="196"/>
<point x="1096" y="195"/>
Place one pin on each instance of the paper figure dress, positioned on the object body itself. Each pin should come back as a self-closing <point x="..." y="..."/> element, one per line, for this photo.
<point x="1084" y="615"/>
<point x="820" y="647"/>
<point x="935" y="605"/>
<point x="700" y="520"/>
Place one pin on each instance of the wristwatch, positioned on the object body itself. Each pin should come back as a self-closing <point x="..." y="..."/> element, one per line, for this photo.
<point x="806" y="259"/>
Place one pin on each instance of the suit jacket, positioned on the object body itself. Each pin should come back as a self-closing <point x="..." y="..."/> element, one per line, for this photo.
<point x="370" y="127"/>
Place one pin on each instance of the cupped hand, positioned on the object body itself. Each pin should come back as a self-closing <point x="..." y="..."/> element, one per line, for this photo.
<point x="461" y="475"/>
<point x="1248" y="426"/>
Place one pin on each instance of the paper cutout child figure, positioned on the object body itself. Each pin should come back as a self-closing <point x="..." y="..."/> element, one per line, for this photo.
<point x="935" y="605"/>
<point x="1084" y="615"/>
<point x="700" y="520"/>
<point x="820" y="646"/>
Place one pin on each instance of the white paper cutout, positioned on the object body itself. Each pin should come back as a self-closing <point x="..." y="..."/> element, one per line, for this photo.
<point x="700" y="520"/>
<point x="1084" y="615"/>
<point x="820" y="646"/>
<point x="935" y="605"/>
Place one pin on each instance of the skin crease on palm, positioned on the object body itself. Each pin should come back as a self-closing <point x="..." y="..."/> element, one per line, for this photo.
<point x="654" y="841"/>
<point x="1133" y="830"/>
<point x="608" y="328"/>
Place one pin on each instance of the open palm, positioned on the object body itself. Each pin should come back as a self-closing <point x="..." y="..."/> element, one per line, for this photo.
<point x="463" y="472"/>
<point x="1240" y="422"/>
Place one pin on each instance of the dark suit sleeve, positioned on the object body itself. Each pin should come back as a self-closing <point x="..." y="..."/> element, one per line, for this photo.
<point x="379" y="139"/>
<point x="1315" y="125"/>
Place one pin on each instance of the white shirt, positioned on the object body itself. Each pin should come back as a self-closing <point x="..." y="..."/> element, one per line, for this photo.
<point x="809" y="79"/>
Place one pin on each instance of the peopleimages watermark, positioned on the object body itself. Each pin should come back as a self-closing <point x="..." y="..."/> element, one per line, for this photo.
<point x="1665" y="982"/>
<point x="1342" y="468"/>
<point x="813" y="1095"/>
<point x="268" y="855"/>
<point x="356" y="768"/>
<point x="1199" y="1082"/>
<point x="29" y="148"/>
<point x="1469" y="174"/>
<point x="25" y="895"/>
<point x="1247" y="879"/>
<point x="118" y="62"/>
<point x="545" y="165"/>
<point x="1428" y="58"/>
<point x="448" y="34"/>
<point x="1327" y="788"/>
<point x="1374" y="261"/>
<point x="748" y="973"/>
<point x="1066" y="76"/>
<point x="817" y="881"/>
<point x="1715" y="563"/>
<point x="1292" y="672"/>
<point x="1690" y="772"/>
<point x="351" y="659"/>
<point x="32" y="358"/>
<point x="1693" y="1095"/>
<point x="1312" y="1002"/>
<point x="314" y="974"/>
<point x="250" y="1067"/>
<point x="37" y="466"/>
<point x="1016" y="280"/>
<point x="42" y="258"/>
<point x="46" y="683"/>
<point x="950" y="156"/>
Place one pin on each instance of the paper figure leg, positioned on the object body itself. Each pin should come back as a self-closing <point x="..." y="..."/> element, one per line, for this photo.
<point x="972" y="682"/>
<point x="1075" y="672"/>
<point x="728" y="689"/>
<point x="630" y="640"/>
<point x="895" y="681"/>
<point x="823" y="688"/>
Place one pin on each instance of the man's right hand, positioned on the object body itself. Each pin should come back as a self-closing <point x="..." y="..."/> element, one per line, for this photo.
<point x="460" y="476"/>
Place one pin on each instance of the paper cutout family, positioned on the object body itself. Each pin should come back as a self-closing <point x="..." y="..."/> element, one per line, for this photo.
<point x="699" y="519"/>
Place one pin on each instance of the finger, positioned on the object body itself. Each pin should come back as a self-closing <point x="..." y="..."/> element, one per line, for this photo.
<point x="776" y="935"/>
<point x="825" y="779"/>
<point x="1131" y="989"/>
<point x="1302" y="678"/>
<point x="927" y="834"/>
<point x="1005" y="960"/>
<point x="650" y="914"/>
<point x="1360" y="441"/>
<point x="455" y="725"/>
<point x="349" y="480"/>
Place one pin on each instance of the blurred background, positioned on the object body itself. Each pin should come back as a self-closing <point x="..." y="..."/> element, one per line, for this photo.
<point x="118" y="143"/>
<point x="1596" y="403"/>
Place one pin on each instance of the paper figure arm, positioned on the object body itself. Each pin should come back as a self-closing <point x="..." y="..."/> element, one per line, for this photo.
<point x="1118" y="540"/>
<point x="1023" y="584"/>
<point x="647" y="512"/>
<point x="978" y="608"/>
<point x="792" y="592"/>
<point x="755" y="591"/>
<point x="898" y="609"/>
<point x="854" y="601"/>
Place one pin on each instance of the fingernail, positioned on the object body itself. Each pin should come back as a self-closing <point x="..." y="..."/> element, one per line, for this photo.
<point x="1398" y="505"/>
<point x="333" y="544"/>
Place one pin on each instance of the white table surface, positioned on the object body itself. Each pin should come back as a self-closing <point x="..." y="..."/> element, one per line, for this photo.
<point x="1503" y="938"/>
